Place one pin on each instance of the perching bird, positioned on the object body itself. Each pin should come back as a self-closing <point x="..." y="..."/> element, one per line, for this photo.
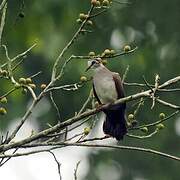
<point x="107" y="87"/>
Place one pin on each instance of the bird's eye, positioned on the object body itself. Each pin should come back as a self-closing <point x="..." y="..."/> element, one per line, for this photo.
<point x="93" y="62"/>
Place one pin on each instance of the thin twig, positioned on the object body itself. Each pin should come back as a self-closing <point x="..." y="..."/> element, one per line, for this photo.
<point x="2" y="20"/>
<point x="167" y="104"/>
<point x="143" y="137"/>
<point x="156" y="122"/>
<point x="9" y="61"/>
<point x="19" y="55"/>
<point x="3" y="4"/>
<point x="58" y="164"/>
<point x="56" y="107"/>
<point x="125" y="74"/>
<point x="9" y="92"/>
<point x="86" y="102"/>
<point x="118" y="147"/>
<point x="75" y="170"/>
<point x="2" y="163"/>
<point x="107" y="57"/>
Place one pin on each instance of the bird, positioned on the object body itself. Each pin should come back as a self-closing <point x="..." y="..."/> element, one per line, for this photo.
<point x="107" y="88"/>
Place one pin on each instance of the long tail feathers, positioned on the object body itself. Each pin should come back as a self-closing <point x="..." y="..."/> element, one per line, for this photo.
<point x="115" y="123"/>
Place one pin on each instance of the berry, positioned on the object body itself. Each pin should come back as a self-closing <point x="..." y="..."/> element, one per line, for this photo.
<point x="89" y="22"/>
<point x="4" y="100"/>
<point x="87" y="130"/>
<point x="79" y="21"/>
<point x="3" y="111"/>
<point x="33" y="86"/>
<point x="22" y="80"/>
<point x="83" y="16"/>
<point x="105" y="3"/>
<point x="162" y="116"/>
<point x="107" y="52"/>
<point x="43" y="86"/>
<point x="144" y="129"/>
<point x="130" y="117"/>
<point x="83" y="78"/>
<point x="97" y="3"/>
<point x="28" y="80"/>
<point x="112" y="51"/>
<point x="4" y="73"/>
<point x="91" y="53"/>
<point x="160" y="126"/>
<point x="127" y="48"/>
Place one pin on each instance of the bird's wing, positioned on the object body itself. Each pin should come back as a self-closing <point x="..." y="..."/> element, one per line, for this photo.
<point x="95" y="94"/>
<point x="118" y="85"/>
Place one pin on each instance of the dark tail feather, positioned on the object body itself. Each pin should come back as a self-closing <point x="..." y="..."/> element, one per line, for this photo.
<point x="115" y="123"/>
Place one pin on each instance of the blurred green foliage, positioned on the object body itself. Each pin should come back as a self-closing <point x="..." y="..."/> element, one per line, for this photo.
<point x="153" y="26"/>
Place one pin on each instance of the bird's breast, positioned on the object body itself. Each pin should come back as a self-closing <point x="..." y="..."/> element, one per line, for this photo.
<point x="105" y="88"/>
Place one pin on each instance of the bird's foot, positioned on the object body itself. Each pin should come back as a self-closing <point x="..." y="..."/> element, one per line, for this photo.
<point x="98" y="106"/>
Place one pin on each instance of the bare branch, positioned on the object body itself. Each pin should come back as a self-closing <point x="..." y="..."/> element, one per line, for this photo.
<point x="58" y="164"/>
<point x="75" y="170"/>
<point x="102" y="146"/>
<point x="4" y="6"/>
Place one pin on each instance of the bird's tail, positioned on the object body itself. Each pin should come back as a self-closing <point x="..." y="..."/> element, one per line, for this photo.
<point x="115" y="123"/>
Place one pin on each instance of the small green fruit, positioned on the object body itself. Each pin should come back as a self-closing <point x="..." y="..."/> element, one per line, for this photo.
<point x="79" y="21"/>
<point x="4" y="73"/>
<point x="87" y="130"/>
<point x="160" y="126"/>
<point x="130" y="117"/>
<point x="83" y="78"/>
<point x="89" y="22"/>
<point x="112" y="51"/>
<point x="43" y="86"/>
<point x="105" y="3"/>
<point x="3" y="111"/>
<point x="83" y="16"/>
<point x="91" y="53"/>
<point x="22" y="80"/>
<point x="33" y="86"/>
<point x="127" y="48"/>
<point x="162" y="116"/>
<point x="107" y="52"/>
<point x="98" y="3"/>
<point x="28" y="80"/>
<point x="4" y="100"/>
<point x="144" y="129"/>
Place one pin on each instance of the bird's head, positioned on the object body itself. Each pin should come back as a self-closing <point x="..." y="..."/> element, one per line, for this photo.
<point x="94" y="64"/>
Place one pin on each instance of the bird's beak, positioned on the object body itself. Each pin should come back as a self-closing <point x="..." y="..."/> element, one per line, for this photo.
<point x="89" y="67"/>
